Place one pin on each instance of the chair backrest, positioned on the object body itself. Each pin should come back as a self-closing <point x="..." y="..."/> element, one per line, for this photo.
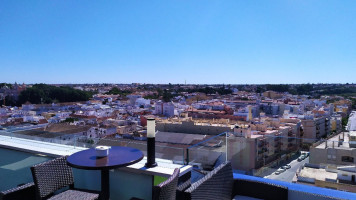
<point x="217" y="184"/>
<point x="167" y="189"/>
<point x="51" y="176"/>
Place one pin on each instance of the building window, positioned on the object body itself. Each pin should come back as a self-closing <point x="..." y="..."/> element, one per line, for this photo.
<point x="347" y="159"/>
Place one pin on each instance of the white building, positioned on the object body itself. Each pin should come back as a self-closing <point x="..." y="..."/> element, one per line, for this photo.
<point x="159" y="108"/>
<point x="97" y="132"/>
<point x="351" y="125"/>
<point x="142" y="102"/>
<point x="31" y="118"/>
<point x="168" y="109"/>
<point x="133" y="98"/>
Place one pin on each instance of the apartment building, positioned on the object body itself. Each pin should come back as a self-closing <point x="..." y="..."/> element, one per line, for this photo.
<point x="166" y="109"/>
<point x="256" y="144"/>
<point x="100" y="132"/>
<point x="351" y="124"/>
<point x="192" y="127"/>
<point x="328" y="176"/>
<point x="335" y="123"/>
<point x="272" y="94"/>
<point x="314" y="129"/>
<point x="338" y="150"/>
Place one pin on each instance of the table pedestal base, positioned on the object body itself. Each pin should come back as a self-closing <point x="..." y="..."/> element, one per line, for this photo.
<point x="105" y="185"/>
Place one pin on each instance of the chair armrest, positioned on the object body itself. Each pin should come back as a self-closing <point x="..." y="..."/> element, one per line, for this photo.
<point x="184" y="185"/>
<point x="185" y="190"/>
<point x="18" y="193"/>
<point x="181" y="188"/>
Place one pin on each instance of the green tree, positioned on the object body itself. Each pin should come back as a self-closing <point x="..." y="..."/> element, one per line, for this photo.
<point x="167" y="96"/>
<point x="42" y="93"/>
<point x="70" y="120"/>
<point x="117" y="91"/>
<point x="344" y="122"/>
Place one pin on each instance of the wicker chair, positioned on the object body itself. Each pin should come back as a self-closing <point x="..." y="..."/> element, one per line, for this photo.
<point x="167" y="189"/>
<point x="19" y="192"/>
<point x="215" y="185"/>
<point x="219" y="184"/>
<point x="53" y="175"/>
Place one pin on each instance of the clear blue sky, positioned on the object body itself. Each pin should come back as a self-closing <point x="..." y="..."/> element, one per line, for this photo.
<point x="200" y="41"/>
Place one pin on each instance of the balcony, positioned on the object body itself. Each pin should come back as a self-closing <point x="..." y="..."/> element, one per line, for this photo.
<point x="123" y="181"/>
<point x="135" y="180"/>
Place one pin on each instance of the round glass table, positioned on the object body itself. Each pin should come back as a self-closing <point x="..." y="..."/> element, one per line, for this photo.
<point x="117" y="157"/>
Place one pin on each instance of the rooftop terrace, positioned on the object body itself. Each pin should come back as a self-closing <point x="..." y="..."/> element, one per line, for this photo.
<point x="136" y="180"/>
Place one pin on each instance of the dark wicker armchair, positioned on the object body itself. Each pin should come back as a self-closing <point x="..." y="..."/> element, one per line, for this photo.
<point x="53" y="175"/>
<point x="19" y="192"/>
<point x="167" y="189"/>
<point x="219" y="184"/>
<point x="215" y="185"/>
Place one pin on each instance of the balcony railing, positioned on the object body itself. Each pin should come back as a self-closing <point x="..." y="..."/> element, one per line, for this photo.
<point x="207" y="154"/>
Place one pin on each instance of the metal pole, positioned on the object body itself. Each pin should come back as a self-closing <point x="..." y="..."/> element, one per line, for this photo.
<point x="226" y="145"/>
<point x="151" y="157"/>
<point x="187" y="159"/>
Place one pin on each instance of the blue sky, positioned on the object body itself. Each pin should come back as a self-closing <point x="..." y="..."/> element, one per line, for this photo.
<point x="202" y="41"/>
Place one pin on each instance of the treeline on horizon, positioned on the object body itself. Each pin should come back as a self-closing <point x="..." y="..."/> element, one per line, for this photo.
<point x="295" y="89"/>
<point x="310" y="89"/>
<point x="43" y="93"/>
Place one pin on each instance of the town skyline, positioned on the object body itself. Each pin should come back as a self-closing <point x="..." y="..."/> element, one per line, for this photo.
<point x="202" y="99"/>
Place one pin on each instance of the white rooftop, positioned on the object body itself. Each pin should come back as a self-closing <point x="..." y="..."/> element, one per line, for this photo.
<point x="317" y="174"/>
